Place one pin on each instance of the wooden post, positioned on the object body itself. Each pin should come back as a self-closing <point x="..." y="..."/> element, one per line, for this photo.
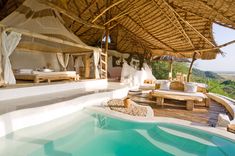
<point x="170" y="70"/>
<point x="106" y="39"/>
<point x="190" y="105"/>
<point x="106" y="50"/>
<point x="1" y="70"/>
<point x="191" y="66"/>
<point x="87" y="61"/>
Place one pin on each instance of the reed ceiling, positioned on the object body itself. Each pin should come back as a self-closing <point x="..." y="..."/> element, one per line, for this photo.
<point x="162" y="27"/>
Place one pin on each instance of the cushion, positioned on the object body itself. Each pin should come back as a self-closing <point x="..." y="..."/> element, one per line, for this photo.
<point x="190" y="87"/>
<point x="165" y="85"/>
<point x="25" y="71"/>
<point x="148" y="81"/>
<point x="47" y="70"/>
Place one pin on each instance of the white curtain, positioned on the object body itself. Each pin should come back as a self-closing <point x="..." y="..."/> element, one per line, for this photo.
<point x="9" y="43"/>
<point x="78" y="62"/>
<point x="96" y="55"/>
<point x="63" y="60"/>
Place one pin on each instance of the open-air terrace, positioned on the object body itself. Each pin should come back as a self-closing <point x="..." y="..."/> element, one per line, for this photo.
<point x="116" y="77"/>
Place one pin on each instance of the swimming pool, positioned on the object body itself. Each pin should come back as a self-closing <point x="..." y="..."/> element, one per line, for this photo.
<point x="88" y="134"/>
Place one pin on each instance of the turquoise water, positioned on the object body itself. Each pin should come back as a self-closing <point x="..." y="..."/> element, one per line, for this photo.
<point x="100" y="135"/>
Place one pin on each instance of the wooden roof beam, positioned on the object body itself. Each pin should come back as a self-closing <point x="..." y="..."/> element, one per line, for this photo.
<point x="203" y="16"/>
<point x="187" y="23"/>
<point x="87" y="20"/>
<point x="47" y="38"/>
<point x="178" y="25"/>
<point x="88" y="7"/>
<point x="147" y="32"/>
<point x="201" y="50"/>
<point x="125" y="12"/>
<point x="72" y="16"/>
<point x="107" y="9"/>
<point x="213" y="9"/>
<point x="134" y="35"/>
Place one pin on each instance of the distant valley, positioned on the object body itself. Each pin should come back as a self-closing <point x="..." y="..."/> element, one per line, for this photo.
<point x="227" y="75"/>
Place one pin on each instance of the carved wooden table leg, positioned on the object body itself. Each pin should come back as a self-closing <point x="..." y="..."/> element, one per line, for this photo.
<point x="160" y="101"/>
<point x="207" y="102"/>
<point x="190" y="105"/>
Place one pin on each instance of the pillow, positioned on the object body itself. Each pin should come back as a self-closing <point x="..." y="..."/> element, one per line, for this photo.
<point x="165" y="85"/>
<point x="25" y="71"/>
<point x="190" y="87"/>
<point x="47" y="70"/>
<point x="148" y="81"/>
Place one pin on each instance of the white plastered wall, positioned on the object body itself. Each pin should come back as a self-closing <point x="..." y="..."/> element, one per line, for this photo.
<point x="33" y="60"/>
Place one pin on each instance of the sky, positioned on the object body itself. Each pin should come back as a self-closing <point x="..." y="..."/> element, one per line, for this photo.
<point x="221" y="63"/>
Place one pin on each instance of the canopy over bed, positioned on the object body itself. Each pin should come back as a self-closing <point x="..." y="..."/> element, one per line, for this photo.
<point x="34" y="26"/>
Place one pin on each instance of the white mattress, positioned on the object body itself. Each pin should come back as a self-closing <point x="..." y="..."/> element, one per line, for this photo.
<point x="69" y="73"/>
<point x="175" y="92"/>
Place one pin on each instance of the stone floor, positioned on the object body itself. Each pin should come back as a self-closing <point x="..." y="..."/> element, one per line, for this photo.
<point x="176" y="109"/>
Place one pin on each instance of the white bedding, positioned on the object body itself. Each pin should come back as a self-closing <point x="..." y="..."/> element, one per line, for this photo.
<point x="69" y="73"/>
<point x="175" y="92"/>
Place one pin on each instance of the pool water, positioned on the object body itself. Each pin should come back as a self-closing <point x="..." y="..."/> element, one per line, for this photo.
<point x="95" y="134"/>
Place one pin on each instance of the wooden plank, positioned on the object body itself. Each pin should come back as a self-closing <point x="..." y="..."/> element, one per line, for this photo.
<point x="203" y="115"/>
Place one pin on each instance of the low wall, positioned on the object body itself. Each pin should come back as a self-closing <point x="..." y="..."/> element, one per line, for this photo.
<point x="15" y="93"/>
<point x="228" y="104"/>
<point x="16" y="120"/>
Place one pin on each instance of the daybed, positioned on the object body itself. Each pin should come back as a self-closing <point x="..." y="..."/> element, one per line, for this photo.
<point x="176" y="92"/>
<point x="38" y="76"/>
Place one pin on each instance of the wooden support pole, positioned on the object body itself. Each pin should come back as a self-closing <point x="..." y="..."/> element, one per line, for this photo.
<point x="106" y="41"/>
<point x="191" y="66"/>
<point x="106" y="51"/>
<point x="170" y="70"/>
<point x="87" y="61"/>
<point x="1" y="70"/>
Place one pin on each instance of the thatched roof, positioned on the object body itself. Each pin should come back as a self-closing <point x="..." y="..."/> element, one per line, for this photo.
<point x="162" y="27"/>
<point x="42" y="29"/>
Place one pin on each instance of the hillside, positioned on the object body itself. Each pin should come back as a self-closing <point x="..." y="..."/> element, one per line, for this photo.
<point x="215" y="81"/>
<point x="227" y="75"/>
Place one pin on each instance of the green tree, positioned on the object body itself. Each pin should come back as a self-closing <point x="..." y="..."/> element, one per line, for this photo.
<point x="160" y="69"/>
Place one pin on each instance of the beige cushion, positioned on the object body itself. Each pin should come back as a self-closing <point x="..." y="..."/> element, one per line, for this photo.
<point x="190" y="87"/>
<point x="165" y="85"/>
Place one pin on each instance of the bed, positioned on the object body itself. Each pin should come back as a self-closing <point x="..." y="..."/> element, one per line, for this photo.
<point x="40" y="76"/>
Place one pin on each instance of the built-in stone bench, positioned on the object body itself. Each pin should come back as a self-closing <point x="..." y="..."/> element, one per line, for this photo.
<point x="132" y="108"/>
<point x="229" y="104"/>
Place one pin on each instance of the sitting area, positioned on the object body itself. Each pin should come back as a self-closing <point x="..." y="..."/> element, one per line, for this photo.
<point x="176" y="90"/>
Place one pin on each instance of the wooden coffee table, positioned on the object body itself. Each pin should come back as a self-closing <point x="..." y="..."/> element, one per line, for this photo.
<point x="189" y="98"/>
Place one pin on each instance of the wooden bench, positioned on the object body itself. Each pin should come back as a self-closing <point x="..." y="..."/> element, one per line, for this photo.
<point x="190" y="98"/>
